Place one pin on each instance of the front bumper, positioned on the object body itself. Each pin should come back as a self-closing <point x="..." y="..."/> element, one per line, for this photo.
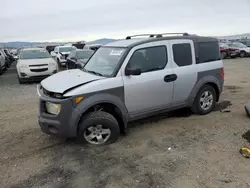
<point x="65" y="123"/>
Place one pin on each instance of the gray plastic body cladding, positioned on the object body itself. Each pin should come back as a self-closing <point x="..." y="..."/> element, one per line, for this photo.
<point x="63" y="122"/>
<point x="68" y="119"/>
<point x="113" y="96"/>
<point x="204" y="77"/>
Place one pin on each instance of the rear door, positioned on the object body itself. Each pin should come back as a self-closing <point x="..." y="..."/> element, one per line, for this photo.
<point x="184" y="66"/>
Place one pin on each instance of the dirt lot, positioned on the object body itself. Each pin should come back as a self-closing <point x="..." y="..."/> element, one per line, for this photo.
<point x="179" y="151"/>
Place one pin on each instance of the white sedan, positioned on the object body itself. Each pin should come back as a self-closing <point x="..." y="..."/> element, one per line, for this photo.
<point x="35" y="64"/>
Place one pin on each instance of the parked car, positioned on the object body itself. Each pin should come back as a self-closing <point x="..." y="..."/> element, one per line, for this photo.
<point x="35" y="64"/>
<point x="3" y="65"/>
<point x="93" y="46"/>
<point x="11" y="58"/>
<point x="245" y="41"/>
<point x="77" y="58"/>
<point x="244" y="50"/>
<point x="227" y="51"/>
<point x="50" y="48"/>
<point x="7" y="59"/>
<point x="61" y="53"/>
<point x="128" y="80"/>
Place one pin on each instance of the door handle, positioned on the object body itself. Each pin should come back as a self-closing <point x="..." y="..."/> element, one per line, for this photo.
<point x="170" y="78"/>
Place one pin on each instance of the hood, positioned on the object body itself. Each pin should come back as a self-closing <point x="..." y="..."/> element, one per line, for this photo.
<point x="65" y="80"/>
<point x="35" y="61"/>
<point x="82" y="61"/>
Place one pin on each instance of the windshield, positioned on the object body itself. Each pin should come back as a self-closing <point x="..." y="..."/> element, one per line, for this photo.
<point x="34" y="54"/>
<point x="65" y="49"/>
<point x="104" y="61"/>
<point x="240" y="45"/>
<point x="223" y="45"/>
<point x="84" y="54"/>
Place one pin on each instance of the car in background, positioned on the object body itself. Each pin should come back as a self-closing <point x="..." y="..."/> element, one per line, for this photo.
<point x="227" y="51"/>
<point x="35" y="64"/>
<point x="7" y="59"/>
<point x="245" y="41"/>
<point x="3" y="65"/>
<point x="78" y="58"/>
<point x="50" y="48"/>
<point x="244" y="50"/>
<point x="93" y="46"/>
<point x="61" y="53"/>
<point x="11" y="58"/>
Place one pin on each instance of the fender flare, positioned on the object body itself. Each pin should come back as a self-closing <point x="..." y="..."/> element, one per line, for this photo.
<point x="94" y="100"/>
<point x="203" y="81"/>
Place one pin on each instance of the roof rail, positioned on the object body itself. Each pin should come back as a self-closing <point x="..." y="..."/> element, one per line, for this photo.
<point x="141" y="35"/>
<point x="156" y="35"/>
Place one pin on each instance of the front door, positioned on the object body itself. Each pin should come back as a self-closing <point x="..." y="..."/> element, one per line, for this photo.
<point x="153" y="89"/>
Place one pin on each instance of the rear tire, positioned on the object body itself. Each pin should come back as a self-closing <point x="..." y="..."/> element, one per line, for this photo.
<point x="204" y="101"/>
<point x="98" y="128"/>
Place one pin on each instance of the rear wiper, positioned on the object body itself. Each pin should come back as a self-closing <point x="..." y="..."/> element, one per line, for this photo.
<point x="93" y="72"/>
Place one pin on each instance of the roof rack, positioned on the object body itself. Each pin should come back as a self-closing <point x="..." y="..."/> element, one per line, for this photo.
<point x="156" y="35"/>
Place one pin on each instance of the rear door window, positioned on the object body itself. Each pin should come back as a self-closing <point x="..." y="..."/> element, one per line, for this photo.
<point x="182" y="54"/>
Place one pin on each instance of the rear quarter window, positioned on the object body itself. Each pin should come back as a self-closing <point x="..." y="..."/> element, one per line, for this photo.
<point x="208" y="52"/>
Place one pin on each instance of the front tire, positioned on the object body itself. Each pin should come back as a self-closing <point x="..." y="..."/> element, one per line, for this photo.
<point x="20" y="80"/>
<point x="223" y="55"/>
<point x="204" y="101"/>
<point x="98" y="128"/>
<point x="243" y="54"/>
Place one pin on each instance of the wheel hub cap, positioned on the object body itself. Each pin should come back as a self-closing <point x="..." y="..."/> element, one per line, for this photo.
<point x="206" y="100"/>
<point x="96" y="134"/>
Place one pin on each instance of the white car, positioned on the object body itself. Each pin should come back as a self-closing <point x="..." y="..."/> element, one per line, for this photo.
<point x="61" y="53"/>
<point x="244" y="50"/>
<point x="35" y="64"/>
<point x="2" y="62"/>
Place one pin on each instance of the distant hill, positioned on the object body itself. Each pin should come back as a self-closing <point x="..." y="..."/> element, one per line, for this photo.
<point x="19" y="44"/>
<point x="101" y="41"/>
<point x="245" y="35"/>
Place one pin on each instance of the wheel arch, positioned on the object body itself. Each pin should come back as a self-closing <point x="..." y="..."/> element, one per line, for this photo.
<point x="208" y="80"/>
<point x="109" y="103"/>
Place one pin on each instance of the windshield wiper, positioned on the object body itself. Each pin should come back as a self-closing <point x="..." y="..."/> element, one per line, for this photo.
<point x="93" y="72"/>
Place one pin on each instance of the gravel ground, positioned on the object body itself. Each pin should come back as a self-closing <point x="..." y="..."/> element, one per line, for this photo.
<point x="182" y="150"/>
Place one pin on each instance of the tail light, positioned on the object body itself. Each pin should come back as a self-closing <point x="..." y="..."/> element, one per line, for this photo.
<point x="222" y="73"/>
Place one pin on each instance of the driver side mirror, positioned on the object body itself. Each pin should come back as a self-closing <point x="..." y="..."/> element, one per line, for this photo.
<point x="132" y="71"/>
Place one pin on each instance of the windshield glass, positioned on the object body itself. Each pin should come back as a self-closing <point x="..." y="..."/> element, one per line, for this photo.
<point x="105" y="61"/>
<point x="34" y="54"/>
<point x="240" y="45"/>
<point x="65" y="49"/>
<point x="84" y="54"/>
<point x="224" y="45"/>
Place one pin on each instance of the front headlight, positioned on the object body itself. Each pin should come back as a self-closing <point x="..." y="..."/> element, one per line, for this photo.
<point x="52" y="108"/>
<point x="53" y="63"/>
<point x="23" y="66"/>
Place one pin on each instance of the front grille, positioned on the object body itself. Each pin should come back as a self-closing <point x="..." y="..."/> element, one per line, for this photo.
<point x="39" y="65"/>
<point x="52" y="94"/>
<point x="38" y="70"/>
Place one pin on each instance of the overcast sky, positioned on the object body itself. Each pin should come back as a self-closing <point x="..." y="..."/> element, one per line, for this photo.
<point x="62" y="20"/>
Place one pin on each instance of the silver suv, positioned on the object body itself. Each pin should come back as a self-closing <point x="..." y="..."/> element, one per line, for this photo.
<point x="130" y="79"/>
